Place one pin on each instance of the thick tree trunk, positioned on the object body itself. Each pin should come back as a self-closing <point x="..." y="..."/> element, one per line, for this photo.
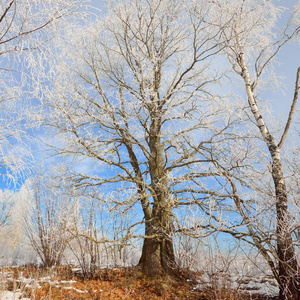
<point x="158" y="258"/>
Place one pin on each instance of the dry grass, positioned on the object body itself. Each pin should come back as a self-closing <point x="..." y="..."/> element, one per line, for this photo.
<point x="127" y="283"/>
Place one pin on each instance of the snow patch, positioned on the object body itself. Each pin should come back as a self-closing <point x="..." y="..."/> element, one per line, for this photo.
<point x="76" y="290"/>
<point x="263" y="285"/>
<point x="6" y="295"/>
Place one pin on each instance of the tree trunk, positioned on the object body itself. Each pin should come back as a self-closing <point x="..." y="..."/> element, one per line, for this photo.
<point x="288" y="273"/>
<point x="158" y="258"/>
<point x="287" y="262"/>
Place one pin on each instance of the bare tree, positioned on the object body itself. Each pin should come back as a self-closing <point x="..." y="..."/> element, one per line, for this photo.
<point x="46" y="223"/>
<point x="6" y="205"/>
<point x="85" y="233"/>
<point x="99" y="237"/>
<point x="131" y="103"/>
<point x="25" y="26"/>
<point x="251" y="48"/>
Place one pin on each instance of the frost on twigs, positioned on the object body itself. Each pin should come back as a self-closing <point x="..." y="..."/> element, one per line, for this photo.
<point x="26" y="27"/>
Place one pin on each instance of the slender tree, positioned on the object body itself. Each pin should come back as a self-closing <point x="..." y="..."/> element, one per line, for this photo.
<point x="251" y="48"/>
<point x="46" y="223"/>
<point x="6" y="206"/>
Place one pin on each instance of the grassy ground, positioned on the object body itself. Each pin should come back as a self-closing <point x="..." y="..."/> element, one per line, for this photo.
<point x="125" y="283"/>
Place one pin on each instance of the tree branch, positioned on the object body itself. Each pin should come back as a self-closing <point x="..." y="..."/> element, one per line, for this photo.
<point x="292" y="110"/>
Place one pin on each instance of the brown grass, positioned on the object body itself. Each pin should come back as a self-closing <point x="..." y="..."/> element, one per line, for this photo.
<point x="125" y="283"/>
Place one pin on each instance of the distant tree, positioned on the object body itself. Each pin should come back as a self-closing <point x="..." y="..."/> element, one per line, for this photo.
<point x="46" y="223"/>
<point x="84" y="234"/>
<point x="6" y="205"/>
<point x="98" y="236"/>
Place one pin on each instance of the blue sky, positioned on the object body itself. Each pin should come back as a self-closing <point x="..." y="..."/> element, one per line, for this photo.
<point x="289" y="59"/>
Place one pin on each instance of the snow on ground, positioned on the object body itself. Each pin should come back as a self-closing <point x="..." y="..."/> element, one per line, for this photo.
<point x="244" y="281"/>
<point x="76" y="290"/>
<point x="263" y="285"/>
<point x="6" y="295"/>
<point x="31" y="283"/>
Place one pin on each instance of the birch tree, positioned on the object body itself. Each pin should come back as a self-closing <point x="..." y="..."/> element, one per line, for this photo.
<point x="131" y="103"/>
<point x="251" y="48"/>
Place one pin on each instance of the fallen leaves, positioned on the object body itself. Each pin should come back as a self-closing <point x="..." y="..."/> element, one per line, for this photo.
<point x="126" y="283"/>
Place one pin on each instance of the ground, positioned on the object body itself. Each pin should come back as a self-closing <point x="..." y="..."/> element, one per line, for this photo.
<point x="31" y="282"/>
